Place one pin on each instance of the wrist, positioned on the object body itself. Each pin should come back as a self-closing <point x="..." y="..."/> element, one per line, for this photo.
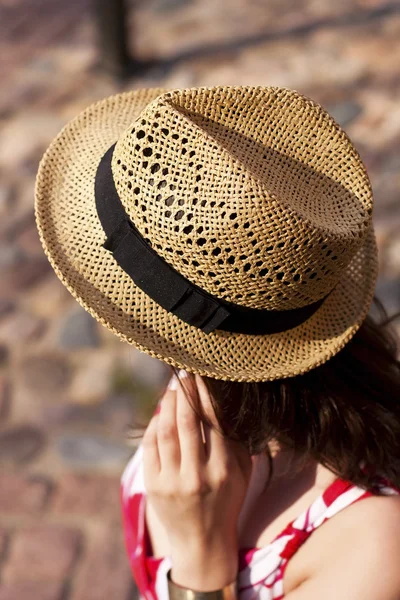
<point x="204" y="580"/>
<point x="205" y="567"/>
<point x="202" y="546"/>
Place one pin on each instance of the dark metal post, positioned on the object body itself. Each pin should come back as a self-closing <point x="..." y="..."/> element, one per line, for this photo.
<point x="112" y="35"/>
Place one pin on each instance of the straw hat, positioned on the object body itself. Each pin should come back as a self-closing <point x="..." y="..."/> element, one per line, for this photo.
<point x="224" y="230"/>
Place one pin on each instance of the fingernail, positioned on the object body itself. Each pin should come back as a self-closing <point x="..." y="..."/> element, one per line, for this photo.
<point x="172" y="383"/>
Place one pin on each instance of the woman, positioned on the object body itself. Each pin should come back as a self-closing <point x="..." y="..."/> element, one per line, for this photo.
<point x="320" y="430"/>
<point x="228" y="232"/>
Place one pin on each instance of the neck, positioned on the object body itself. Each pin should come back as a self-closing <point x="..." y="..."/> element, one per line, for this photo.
<point x="285" y="464"/>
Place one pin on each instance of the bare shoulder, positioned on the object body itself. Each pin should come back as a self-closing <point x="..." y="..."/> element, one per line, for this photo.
<point x="364" y="527"/>
<point x="379" y="507"/>
<point x="372" y="519"/>
<point x="357" y="549"/>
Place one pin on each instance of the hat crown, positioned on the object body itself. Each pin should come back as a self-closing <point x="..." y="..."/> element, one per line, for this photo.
<point x="255" y="194"/>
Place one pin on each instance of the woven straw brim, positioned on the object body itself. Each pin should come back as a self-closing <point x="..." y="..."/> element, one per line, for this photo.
<point x="71" y="235"/>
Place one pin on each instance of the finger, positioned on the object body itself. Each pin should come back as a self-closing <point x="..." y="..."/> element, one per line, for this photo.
<point x="206" y="401"/>
<point x="167" y="433"/>
<point x="217" y="447"/>
<point x="190" y="434"/>
<point x="220" y="449"/>
<point x="215" y="441"/>
<point x="151" y="457"/>
<point x="193" y="389"/>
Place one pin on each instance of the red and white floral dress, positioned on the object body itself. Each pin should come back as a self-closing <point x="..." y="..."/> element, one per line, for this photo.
<point x="261" y="570"/>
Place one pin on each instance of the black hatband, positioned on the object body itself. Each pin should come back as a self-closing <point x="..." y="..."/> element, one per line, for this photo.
<point x="171" y="290"/>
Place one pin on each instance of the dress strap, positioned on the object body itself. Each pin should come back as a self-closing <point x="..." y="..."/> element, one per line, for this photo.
<point x="338" y="495"/>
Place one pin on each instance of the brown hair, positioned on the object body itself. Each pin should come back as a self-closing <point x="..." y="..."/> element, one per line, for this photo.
<point x="342" y="414"/>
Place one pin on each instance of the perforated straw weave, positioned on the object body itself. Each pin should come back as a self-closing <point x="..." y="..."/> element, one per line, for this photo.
<point x="254" y="194"/>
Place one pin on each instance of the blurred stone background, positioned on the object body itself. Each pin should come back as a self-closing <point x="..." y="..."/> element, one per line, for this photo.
<point x="69" y="390"/>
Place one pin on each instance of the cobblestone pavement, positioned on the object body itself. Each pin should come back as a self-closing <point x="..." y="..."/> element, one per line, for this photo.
<point x="69" y="390"/>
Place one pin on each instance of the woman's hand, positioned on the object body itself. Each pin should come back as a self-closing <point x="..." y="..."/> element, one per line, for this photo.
<point x="196" y="489"/>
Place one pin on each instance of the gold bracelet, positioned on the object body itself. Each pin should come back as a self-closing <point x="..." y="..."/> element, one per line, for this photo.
<point x="177" y="592"/>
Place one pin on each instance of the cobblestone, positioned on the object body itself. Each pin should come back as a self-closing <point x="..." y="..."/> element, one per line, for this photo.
<point x="92" y="380"/>
<point x="45" y="373"/>
<point x="87" y="494"/>
<point x="24" y="274"/>
<point x="3" y="361"/>
<point x="32" y="590"/>
<point x="20" y="444"/>
<point x="6" y="306"/>
<point x="6" y="198"/>
<point x="22" y="493"/>
<point x="105" y="572"/>
<point x="21" y="327"/>
<point x="45" y="552"/>
<point x="78" y="330"/>
<point x="91" y="451"/>
<point x="388" y="290"/>
<point x="4" y="396"/>
<point x="3" y="543"/>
